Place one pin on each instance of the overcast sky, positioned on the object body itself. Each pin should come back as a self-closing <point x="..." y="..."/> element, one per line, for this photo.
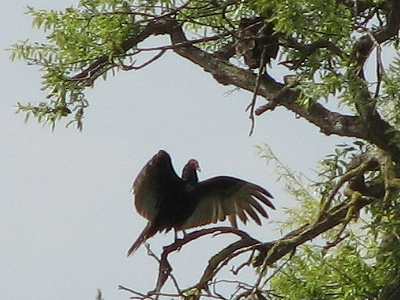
<point x="66" y="215"/>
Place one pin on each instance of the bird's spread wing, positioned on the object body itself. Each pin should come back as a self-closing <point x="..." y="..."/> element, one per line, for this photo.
<point x="148" y="185"/>
<point x="221" y="197"/>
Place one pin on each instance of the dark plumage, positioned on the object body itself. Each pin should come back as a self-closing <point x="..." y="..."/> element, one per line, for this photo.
<point x="256" y="38"/>
<point x="189" y="171"/>
<point x="170" y="202"/>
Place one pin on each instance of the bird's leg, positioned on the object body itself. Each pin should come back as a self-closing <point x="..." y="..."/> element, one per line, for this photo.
<point x="177" y="239"/>
<point x="176" y="235"/>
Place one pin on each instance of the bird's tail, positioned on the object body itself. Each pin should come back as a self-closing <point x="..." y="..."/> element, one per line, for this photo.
<point x="147" y="233"/>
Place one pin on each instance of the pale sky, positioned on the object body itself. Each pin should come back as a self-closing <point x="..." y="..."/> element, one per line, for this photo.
<point x="66" y="214"/>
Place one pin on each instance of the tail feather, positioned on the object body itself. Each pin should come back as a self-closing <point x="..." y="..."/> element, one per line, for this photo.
<point x="147" y="233"/>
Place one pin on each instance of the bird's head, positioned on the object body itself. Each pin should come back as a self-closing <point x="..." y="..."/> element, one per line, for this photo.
<point x="189" y="171"/>
<point x="194" y="165"/>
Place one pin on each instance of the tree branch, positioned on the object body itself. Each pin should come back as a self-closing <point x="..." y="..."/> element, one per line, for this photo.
<point x="165" y="268"/>
<point x="307" y="50"/>
<point x="271" y="252"/>
<point x="378" y="131"/>
<point x="375" y="129"/>
<point x="336" y="216"/>
<point x="365" y="44"/>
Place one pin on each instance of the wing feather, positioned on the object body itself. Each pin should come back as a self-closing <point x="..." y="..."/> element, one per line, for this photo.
<point x="214" y="213"/>
<point x="146" y="187"/>
<point x="221" y="211"/>
<point x="257" y="206"/>
<point x="251" y="212"/>
<point x="224" y="197"/>
<point x="262" y="195"/>
<point x="240" y="213"/>
<point x="232" y="220"/>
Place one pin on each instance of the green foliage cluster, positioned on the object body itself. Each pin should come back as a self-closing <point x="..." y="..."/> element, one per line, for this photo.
<point x="389" y="102"/>
<point x="296" y="185"/>
<point x="344" y="274"/>
<point x="78" y="36"/>
<point x="357" y="267"/>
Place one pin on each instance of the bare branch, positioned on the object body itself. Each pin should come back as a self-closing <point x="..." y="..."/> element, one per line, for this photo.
<point x="165" y="268"/>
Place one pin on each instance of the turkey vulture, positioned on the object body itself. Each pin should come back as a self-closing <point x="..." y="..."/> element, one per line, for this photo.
<point x="170" y="202"/>
<point x="256" y="38"/>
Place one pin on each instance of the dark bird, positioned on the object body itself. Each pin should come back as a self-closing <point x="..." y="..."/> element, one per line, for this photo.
<point x="256" y="38"/>
<point x="189" y="171"/>
<point x="170" y="202"/>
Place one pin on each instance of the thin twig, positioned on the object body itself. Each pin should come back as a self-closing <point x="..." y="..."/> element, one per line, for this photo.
<point x="261" y="70"/>
<point x="142" y="296"/>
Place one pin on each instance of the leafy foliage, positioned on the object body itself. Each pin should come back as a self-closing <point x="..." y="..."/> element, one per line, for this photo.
<point x="344" y="274"/>
<point x="390" y="102"/>
<point x="361" y="264"/>
<point x="100" y="30"/>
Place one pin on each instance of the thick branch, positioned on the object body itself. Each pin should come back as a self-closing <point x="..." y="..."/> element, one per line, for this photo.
<point x="271" y="252"/>
<point x="366" y="43"/>
<point x="392" y="7"/>
<point x="329" y="122"/>
<point x="374" y="130"/>
<point x="287" y="244"/>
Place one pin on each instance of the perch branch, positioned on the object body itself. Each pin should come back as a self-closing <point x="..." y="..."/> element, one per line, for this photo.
<point x="271" y="252"/>
<point x="165" y="268"/>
